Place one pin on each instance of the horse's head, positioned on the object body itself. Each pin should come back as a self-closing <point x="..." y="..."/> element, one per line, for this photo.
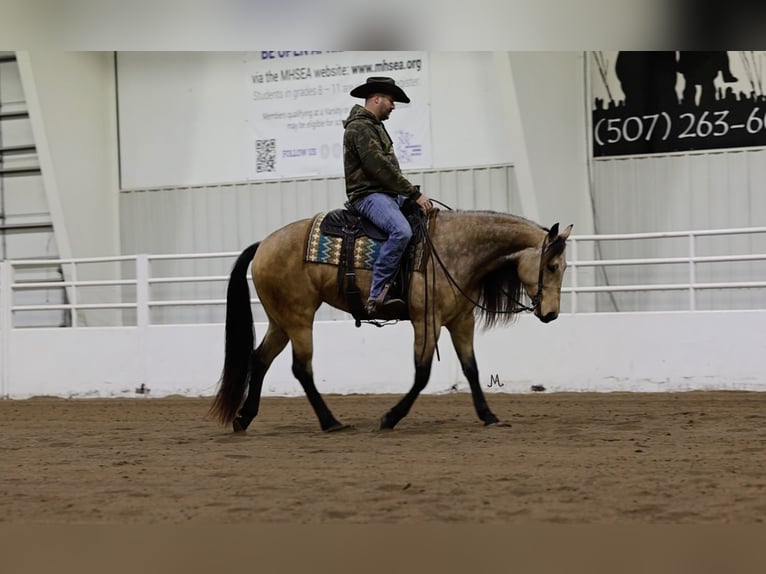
<point x="542" y="272"/>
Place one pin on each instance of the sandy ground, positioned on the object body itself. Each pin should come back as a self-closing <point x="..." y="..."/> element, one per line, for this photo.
<point x="689" y="458"/>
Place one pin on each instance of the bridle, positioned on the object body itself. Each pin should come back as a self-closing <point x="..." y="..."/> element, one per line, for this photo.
<point x="519" y="307"/>
<point x="538" y="297"/>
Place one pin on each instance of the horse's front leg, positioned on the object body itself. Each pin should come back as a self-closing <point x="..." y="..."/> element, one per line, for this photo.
<point x="425" y="343"/>
<point x="461" y="330"/>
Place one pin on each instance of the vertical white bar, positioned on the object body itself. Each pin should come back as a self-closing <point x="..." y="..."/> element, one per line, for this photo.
<point x="142" y="291"/>
<point x="6" y="322"/>
<point x="692" y="274"/>
<point x="573" y="243"/>
<point x="142" y="313"/>
<point x="73" y="294"/>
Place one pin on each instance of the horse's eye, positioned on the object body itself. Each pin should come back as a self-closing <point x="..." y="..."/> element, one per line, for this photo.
<point x="552" y="268"/>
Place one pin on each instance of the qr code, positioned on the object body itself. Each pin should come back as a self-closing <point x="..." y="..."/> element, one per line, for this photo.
<point x="265" y="155"/>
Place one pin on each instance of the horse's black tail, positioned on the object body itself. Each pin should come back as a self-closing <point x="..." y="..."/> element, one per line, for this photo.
<point x="239" y="341"/>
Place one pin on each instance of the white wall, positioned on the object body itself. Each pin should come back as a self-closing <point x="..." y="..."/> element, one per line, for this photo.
<point x="603" y="352"/>
<point x="711" y="190"/>
<point x="183" y="116"/>
<point x="467" y="111"/>
<point x="183" y="120"/>
<point x="716" y="189"/>
<point x="550" y="93"/>
<point x="227" y="218"/>
<point x="71" y="99"/>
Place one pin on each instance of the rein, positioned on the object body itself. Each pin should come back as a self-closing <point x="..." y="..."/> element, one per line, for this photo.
<point x="520" y="307"/>
<point x="535" y="300"/>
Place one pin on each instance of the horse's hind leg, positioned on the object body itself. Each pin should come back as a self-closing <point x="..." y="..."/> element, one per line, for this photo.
<point x="303" y="349"/>
<point x="461" y="330"/>
<point x="260" y="361"/>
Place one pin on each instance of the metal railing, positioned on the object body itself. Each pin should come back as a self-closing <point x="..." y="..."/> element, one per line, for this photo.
<point x="130" y="288"/>
<point x="134" y="292"/>
<point x="691" y="261"/>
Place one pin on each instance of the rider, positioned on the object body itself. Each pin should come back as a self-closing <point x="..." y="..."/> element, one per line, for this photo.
<point x="375" y="185"/>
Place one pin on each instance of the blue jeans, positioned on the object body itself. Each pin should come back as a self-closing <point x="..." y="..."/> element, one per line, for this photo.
<point x="385" y="212"/>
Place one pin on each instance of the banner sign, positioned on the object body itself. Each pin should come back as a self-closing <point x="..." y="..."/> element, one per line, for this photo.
<point x="659" y="102"/>
<point x="298" y="101"/>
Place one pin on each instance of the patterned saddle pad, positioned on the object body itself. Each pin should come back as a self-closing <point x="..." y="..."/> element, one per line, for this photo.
<point x="322" y="248"/>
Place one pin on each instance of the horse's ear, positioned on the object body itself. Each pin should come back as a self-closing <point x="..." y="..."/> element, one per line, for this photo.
<point x="553" y="233"/>
<point x="567" y="231"/>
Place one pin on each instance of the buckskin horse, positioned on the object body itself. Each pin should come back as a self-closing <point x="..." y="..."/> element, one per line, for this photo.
<point x="480" y="265"/>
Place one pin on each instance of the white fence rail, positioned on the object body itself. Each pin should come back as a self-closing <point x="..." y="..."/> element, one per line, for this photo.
<point x="135" y="295"/>
<point x="137" y="288"/>
<point x="691" y="261"/>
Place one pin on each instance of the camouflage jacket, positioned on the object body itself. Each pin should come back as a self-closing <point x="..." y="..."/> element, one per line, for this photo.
<point x="368" y="158"/>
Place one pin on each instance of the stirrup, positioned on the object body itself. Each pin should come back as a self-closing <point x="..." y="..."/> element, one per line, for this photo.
<point x="383" y="308"/>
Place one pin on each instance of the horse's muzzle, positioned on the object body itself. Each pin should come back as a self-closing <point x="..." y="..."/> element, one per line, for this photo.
<point x="548" y="317"/>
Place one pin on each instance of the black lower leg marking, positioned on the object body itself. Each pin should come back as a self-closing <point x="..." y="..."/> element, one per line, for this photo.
<point x="471" y="372"/>
<point x="402" y="408"/>
<point x="327" y="421"/>
<point x="252" y="403"/>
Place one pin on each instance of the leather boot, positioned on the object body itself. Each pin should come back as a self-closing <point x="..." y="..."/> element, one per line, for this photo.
<point x="383" y="307"/>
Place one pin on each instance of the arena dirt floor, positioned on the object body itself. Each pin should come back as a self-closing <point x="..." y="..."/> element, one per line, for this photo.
<point x="681" y="458"/>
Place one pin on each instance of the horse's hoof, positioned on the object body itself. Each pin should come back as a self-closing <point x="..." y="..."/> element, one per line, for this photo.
<point x="497" y="424"/>
<point x="386" y="424"/>
<point x="239" y="425"/>
<point x="337" y="427"/>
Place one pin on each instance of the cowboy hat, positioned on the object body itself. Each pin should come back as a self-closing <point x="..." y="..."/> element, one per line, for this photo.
<point x="380" y="85"/>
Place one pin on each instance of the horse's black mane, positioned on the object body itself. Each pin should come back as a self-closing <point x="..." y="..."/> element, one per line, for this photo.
<point x="501" y="289"/>
<point x="501" y="292"/>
